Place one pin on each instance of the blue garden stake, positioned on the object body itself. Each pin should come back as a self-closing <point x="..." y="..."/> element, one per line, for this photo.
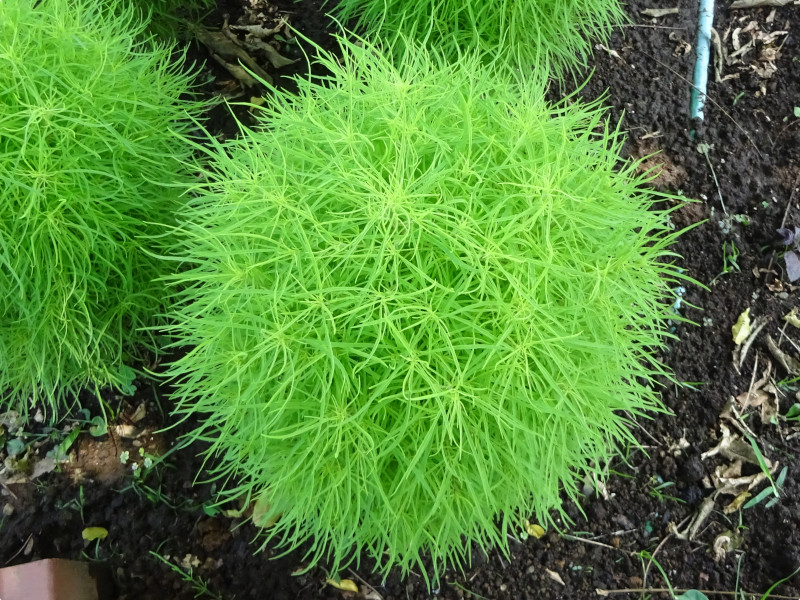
<point x="705" y="21"/>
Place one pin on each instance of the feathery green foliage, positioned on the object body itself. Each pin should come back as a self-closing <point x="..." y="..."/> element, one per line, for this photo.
<point x="417" y="302"/>
<point x="89" y="115"/>
<point x="554" y="35"/>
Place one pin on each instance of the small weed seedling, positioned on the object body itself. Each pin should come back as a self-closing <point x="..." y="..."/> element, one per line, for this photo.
<point x="657" y="491"/>
<point x="200" y="587"/>
<point x="730" y="257"/>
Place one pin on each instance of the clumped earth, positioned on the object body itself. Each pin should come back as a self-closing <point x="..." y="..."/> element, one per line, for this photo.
<point x="670" y="509"/>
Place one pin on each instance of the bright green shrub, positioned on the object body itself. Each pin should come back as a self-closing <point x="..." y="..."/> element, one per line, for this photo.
<point x="418" y="301"/>
<point x="555" y="35"/>
<point x="88" y="160"/>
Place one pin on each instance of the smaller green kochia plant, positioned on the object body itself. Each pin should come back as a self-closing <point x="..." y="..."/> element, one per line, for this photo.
<point x="419" y="305"/>
<point x="89" y="161"/>
<point x="554" y="35"/>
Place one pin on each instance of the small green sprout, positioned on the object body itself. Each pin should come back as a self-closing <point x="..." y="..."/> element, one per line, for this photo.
<point x="730" y="260"/>
<point x="657" y="491"/>
<point x="188" y="575"/>
<point x="775" y="489"/>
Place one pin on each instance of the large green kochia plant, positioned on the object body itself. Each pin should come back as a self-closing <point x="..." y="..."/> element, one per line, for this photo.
<point x="420" y="304"/>
<point x="89" y="158"/>
<point x="554" y="35"/>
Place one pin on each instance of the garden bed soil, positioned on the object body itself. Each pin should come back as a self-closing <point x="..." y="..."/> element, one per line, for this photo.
<point x="749" y="141"/>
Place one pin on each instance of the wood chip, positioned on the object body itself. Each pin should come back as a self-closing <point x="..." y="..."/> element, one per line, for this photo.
<point x="555" y="576"/>
<point x="757" y="3"/>
<point x="659" y="12"/>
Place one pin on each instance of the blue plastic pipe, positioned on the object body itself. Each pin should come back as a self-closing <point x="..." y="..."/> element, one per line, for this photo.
<point x="705" y="21"/>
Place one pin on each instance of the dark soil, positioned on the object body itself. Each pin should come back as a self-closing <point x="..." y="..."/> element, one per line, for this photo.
<point x="752" y="143"/>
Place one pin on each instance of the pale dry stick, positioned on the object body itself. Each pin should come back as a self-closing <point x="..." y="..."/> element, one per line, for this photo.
<point x="643" y="590"/>
<point x="791" y="199"/>
<point x="782" y="131"/>
<point x="6" y="488"/>
<point x="357" y="576"/>
<point x="704" y="152"/>
<point x="785" y="214"/>
<point x="752" y="383"/>
<point x="759" y="325"/>
<point x="647" y="433"/>
<point x="660" y="545"/>
<point x="709" y="98"/>
<point x="575" y="538"/>
<point x="21" y="549"/>
<point x="788" y="339"/>
<point x="644" y="26"/>
<point x="738" y="4"/>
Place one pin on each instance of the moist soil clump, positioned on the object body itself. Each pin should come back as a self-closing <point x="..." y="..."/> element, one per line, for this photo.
<point x="742" y="166"/>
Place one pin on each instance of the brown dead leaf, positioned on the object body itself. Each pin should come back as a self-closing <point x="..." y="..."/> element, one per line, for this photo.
<point x="734" y="448"/>
<point x="228" y="53"/>
<point x="728" y="479"/>
<point x="139" y="413"/>
<point x="770" y="406"/>
<point x="726" y="542"/>
<point x="755" y="399"/>
<point x="790" y="363"/>
<point x="699" y="517"/>
<point x="737" y="503"/>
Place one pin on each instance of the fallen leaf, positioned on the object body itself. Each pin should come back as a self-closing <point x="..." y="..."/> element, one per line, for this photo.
<point x="346" y="585"/>
<point x="757" y="3"/>
<point x="94" y="533"/>
<point x="139" y="413"/>
<point x="792" y="318"/>
<point x="534" y="530"/>
<point x="555" y="576"/>
<point x="770" y="406"/>
<point x="261" y="514"/>
<point x="788" y="236"/>
<point x="127" y="431"/>
<point x="737" y="502"/>
<point x="230" y="55"/>
<point x="733" y="448"/>
<point x="699" y="517"/>
<point x="46" y="465"/>
<point x="790" y="363"/>
<point x="755" y="399"/>
<point x="726" y="542"/>
<point x="741" y="328"/>
<point x="792" y="265"/>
